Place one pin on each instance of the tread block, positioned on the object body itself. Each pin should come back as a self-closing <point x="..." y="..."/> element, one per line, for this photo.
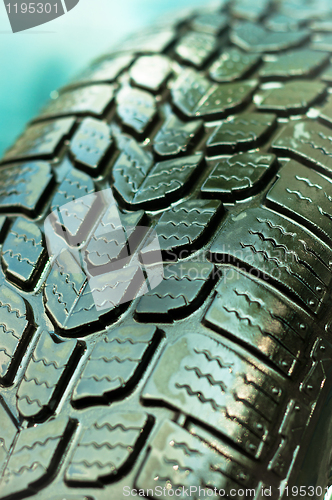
<point x="93" y="99"/>
<point x="160" y="185"/>
<point x="150" y="72"/>
<point x="238" y="176"/>
<point x="90" y="143"/>
<point x="173" y="460"/>
<point x="35" y="457"/>
<point x="74" y="188"/>
<point x="213" y="384"/>
<point x="293" y="97"/>
<point x="282" y="22"/>
<point x="40" y="140"/>
<point x="60" y="299"/>
<point x="307" y="141"/>
<point x="213" y="23"/>
<point x="254" y="38"/>
<point x="106" y="69"/>
<point x="131" y="169"/>
<point x="241" y="132"/>
<point x="19" y="192"/>
<point x="44" y="379"/>
<point x="175" y="136"/>
<point x="260" y="318"/>
<point x="14" y="332"/>
<point x="136" y="108"/>
<point x="107" y="448"/>
<point x="22" y="252"/>
<point x="322" y="42"/>
<point x="233" y="65"/>
<point x="178" y="293"/>
<point x="265" y="242"/>
<point x="291" y="431"/>
<point x="251" y="11"/>
<point x="111" y="238"/>
<point x="195" y="96"/>
<point x="295" y="64"/>
<point x="306" y="11"/>
<point x="148" y="41"/>
<point x="305" y="195"/>
<point x="196" y="48"/>
<point x="83" y="303"/>
<point x="8" y="431"/>
<point x="115" y="363"/>
<point x="188" y="90"/>
<point x="321" y="26"/>
<point x="182" y="226"/>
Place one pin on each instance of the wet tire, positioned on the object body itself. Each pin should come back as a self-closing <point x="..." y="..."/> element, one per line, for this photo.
<point x="214" y="130"/>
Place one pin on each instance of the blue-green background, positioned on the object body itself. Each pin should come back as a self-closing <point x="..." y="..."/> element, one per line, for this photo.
<point x="37" y="61"/>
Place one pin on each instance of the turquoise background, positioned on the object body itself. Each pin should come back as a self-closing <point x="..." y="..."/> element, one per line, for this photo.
<point x="37" y="61"/>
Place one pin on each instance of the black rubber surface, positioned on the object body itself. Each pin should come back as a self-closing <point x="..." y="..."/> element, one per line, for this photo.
<point x="215" y="129"/>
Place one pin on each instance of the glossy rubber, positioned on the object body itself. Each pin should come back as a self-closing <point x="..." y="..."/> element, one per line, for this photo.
<point x="214" y="129"/>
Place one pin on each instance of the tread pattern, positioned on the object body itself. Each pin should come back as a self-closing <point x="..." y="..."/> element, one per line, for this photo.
<point x="35" y="455"/>
<point x="116" y="361"/>
<point x="44" y="378"/>
<point x="238" y="176"/>
<point x="172" y="460"/>
<point x="293" y="97"/>
<point x="213" y="23"/>
<point x="213" y="131"/>
<point x="310" y="143"/>
<point x="294" y="191"/>
<point x="175" y="136"/>
<point x="183" y="225"/>
<point x="107" y="448"/>
<point x="196" y="48"/>
<point x="181" y="289"/>
<point x="14" y="334"/>
<point x="40" y="140"/>
<point x="216" y="390"/>
<point x="72" y="307"/>
<point x="241" y="132"/>
<point x="109" y="242"/>
<point x="136" y="108"/>
<point x="195" y="96"/>
<point x="153" y="186"/>
<point x="18" y="190"/>
<point x="264" y="242"/>
<point x="92" y="100"/>
<point x="90" y="143"/>
<point x="75" y="187"/>
<point x="260" y="318"/>
<point x="27" y="235"/>
<point x="150" y="72"/>
<point x="296" y="64"/>
<point x="254" y="38"/>
<point x="233" y="65"/>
